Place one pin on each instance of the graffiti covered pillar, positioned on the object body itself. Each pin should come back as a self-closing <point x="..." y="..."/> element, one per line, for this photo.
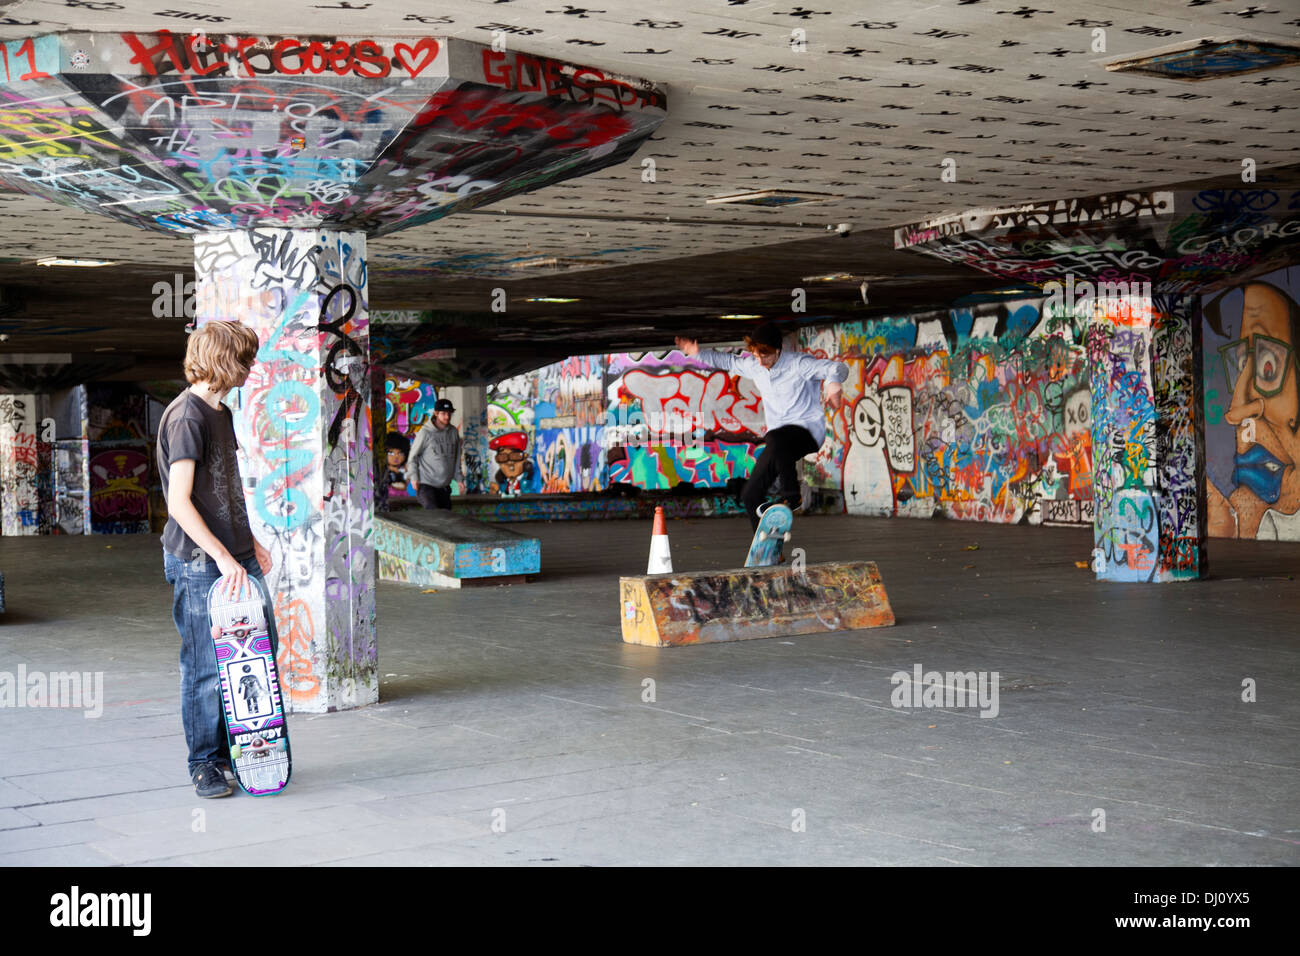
<point x="26" y="463"/>
<point x="470" y="418"/>
<point x="1148" y="439"/>
<point x="304" y="426"/>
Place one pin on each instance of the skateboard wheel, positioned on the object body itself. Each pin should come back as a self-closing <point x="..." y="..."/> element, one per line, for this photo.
<point x="235" y="751"/>
<point x="787" y="536"/>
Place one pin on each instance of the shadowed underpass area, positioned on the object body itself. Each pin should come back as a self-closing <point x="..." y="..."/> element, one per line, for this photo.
<point x="520" y="705"/>
<point x="476" y="337"/>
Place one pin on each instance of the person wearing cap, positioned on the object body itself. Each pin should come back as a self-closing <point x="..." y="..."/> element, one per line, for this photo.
<point x="512" y="458"/>
<point x="790" y="384"/>
<point x="434" y="461"/>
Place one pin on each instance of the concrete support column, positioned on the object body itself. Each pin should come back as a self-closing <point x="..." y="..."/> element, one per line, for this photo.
<point x="26" y="466"/>
<point x="1148" y="439"/>
<point x="379" y="445"/>
<point x="71" y="462"/>
<point x="471" y="419"/>
<point x="304" y="426"/>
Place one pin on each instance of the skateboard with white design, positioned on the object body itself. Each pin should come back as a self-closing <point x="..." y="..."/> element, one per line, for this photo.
<point x="257" y="733"/>
<point x="773" y="531"/>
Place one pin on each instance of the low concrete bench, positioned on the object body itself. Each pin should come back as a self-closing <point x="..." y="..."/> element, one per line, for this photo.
<point x="445" y="550"/>
<point x="665" y="610"/>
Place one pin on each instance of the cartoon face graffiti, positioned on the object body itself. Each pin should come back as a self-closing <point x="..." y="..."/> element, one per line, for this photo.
<point x="1265" y="408"/>
<point x="117" y="485"/>
<point x="512" y="461"/>
<point x="868" y="422"/>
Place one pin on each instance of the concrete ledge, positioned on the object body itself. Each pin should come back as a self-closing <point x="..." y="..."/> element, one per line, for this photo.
<point x="441" y="549"/>
<point x="665" y="610"/>
<point x="585" y="506"/>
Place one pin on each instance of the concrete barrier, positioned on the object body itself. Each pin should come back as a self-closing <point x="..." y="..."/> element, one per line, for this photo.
<point x="665" y="610"/>
<point x="444" y="550"/>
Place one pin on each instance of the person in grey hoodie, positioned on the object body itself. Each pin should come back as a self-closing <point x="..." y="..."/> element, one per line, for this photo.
<point x="435" y="458"/>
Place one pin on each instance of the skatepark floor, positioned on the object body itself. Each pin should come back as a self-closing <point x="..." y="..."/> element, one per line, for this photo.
<point x="512" y="729"/>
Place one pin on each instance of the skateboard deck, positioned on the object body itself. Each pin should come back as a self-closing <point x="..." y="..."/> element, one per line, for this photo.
<point x="774" y="524"/>
<point x="257" y="733"/>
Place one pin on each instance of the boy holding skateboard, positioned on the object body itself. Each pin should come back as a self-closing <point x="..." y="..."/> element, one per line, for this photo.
<point x="207" y="533"/>
<point x="790" y="385"/>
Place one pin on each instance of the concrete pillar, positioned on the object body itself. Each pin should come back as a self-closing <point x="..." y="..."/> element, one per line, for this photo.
<point x="379" y="433"/>
<point x="71" y="462"/>
<point x="26" y="466"/>
<point x="304" y="425"/>
<point x="471" y="419"/>
<point x="1148" y="439"/>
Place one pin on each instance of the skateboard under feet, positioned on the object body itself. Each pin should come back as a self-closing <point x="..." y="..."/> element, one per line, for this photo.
<point x="774" y="524"/>
<point x="258" y="734"/>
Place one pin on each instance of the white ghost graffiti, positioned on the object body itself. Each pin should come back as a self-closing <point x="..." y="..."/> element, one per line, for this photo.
<point x="868" y="488"/>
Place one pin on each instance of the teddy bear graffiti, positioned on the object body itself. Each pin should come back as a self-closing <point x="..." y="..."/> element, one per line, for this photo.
<point x="881" y="442"/>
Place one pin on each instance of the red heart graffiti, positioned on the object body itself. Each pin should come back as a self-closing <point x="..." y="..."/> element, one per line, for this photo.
<point x="428" y="47"/>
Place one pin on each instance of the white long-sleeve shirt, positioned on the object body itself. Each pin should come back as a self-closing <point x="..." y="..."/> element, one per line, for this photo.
<point x="791" y="389"/>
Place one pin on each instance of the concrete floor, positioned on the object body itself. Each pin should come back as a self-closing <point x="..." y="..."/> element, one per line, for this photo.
<point x="1124" y="698"/>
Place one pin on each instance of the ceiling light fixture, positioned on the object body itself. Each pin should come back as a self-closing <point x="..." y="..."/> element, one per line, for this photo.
<point x="834" y="277"/>
<point x="85" y="263"/>
<point x="774" y="197"/>
<point x="554" y="263"/>
<point x="739" y="315"/>
<point x="550" y="298"/>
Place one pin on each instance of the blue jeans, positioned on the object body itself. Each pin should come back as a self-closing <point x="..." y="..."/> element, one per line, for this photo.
<point x="202" y="715"/>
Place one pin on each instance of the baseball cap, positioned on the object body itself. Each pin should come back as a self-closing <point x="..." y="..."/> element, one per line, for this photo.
<point x="444" y="405"/>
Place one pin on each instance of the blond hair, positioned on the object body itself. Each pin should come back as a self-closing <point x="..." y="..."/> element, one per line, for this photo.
<point x="221" y="354"/>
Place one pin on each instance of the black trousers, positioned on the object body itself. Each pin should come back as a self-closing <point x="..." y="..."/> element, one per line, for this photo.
<point x="431" y="497"/>
<point x="785" y="446"/>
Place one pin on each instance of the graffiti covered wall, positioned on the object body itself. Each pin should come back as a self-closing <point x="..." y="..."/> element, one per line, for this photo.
<point x="650" y="419"/>
<point x="979" y="413"/>
<point x="1252" y="408"/>
<point x="123" y="473"/>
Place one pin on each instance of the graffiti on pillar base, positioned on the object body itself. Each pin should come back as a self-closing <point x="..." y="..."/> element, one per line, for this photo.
<point x="26" y="470"/>
<point x="1146" y="482"/>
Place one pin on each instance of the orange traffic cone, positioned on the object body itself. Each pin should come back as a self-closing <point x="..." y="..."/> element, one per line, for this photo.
<point x="661" y="558"/>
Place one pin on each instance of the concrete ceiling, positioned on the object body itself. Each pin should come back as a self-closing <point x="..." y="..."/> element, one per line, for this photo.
<point x="880" y="95"/>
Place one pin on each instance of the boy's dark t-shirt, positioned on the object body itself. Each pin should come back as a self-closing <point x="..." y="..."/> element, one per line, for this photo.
<point x="190" y="428"/>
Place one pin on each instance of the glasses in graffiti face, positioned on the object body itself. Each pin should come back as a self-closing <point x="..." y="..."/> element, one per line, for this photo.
<point x="509" y="454"/>
<point x="1272" y="358"/>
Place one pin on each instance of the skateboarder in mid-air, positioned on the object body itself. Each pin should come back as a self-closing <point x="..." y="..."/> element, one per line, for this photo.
<point x="207" y="533"/>
<point x="790" y="384"/>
